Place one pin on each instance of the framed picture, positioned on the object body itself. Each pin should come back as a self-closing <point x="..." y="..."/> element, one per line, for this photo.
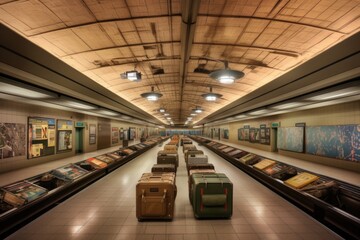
<point x="64" y="135"/>
<point x="114" y="135"/>
<point x="92" y="133"/>
<point x="12" y="140"/>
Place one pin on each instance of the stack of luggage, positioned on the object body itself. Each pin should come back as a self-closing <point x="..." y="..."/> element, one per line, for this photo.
<point x="210" y="193"/>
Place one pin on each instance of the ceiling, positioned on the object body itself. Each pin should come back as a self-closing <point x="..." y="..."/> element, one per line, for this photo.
<point x="167" y="40"/>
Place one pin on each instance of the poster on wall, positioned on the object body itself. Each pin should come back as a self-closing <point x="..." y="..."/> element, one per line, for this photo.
<point x="64" y="133"/>
<point x="41" y="137"/>
<point x="264" y="134"/>
<point x="338" y="141"/>
<point x="241" y="134"/>
<point x="114" y="135"/>
<point x="246" y="132"/>
<point x="121" y="131"/>
<point x="291" y="139"/>
<point x="132" y="133"/>
<point x="226" y="133"/>
<point x="254" y="135"/>
<point x="126" y="134"/>
<point x="92" y="133"/>
<point x="12" y="140"/>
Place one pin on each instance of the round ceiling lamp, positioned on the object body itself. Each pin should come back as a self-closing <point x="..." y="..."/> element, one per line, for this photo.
<point x="211" y="97"/>
<point x="197" y="110"/>
<point x="151" y="96"/>
<point x="226" y="76"/>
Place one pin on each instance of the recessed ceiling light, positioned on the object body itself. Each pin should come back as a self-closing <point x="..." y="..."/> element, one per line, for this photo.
<point x="162" y="110"/>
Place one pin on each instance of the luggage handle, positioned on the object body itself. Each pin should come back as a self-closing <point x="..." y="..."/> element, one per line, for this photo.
<point x="143" y="199"/>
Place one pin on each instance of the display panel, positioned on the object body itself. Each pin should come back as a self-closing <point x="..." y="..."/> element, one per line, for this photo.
<point x="264" y="135"/>
<point x="291" y="139"/>
<point x="114" y="135"/>
<point x="12" y="140"/>
<point x="241" y="134"/>
<point x="226" y="133"/>
<point x="339" y="141"/>
<point x="254" y="135"/>
<point x="131" y="133"/>
<point x="41" y="139"/>
<point x="64" y="135"/>
<point x="92" y="133"/>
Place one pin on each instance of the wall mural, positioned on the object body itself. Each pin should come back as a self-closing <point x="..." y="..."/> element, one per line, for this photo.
<point x="12" y="140"/>
<point x="291" y="139"/>
<point x="341" y="141"/>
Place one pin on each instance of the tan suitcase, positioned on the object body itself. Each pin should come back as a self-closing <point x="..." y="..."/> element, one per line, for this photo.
<point x="189" y="147"/>
<point x="170" y="147"/>
<point x="189" y="152"/>
<point x="155" y="196"/>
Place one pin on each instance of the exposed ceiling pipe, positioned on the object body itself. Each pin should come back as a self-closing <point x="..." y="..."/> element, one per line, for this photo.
<point x="189" y="12"/>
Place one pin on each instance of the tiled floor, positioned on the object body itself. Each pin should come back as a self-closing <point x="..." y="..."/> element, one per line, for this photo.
<point x="106" y="210"/>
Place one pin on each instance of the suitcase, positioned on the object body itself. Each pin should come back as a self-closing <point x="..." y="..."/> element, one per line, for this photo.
<point x="287" y="173"/>
<point x="189" y="152"/>
<point x="168" y="159"/>
<point x="265" y="163"/>
<point x="212" y="195"/>
<point x="163" y="168"/>
<point x="197" y="159"/>
<point x="200" y="166"/>
<point x="188" y="147"/>
<point x="277" y="168"/>
<point x="320" y="188"/>
<point x="155" y="196"/>
<point x="301" y="180"/>
<point x="170" y="147"/>
<point x="96" y="163"/>
<point x="250" y="159"/>
<point x="167" y="152"/>
<point x="198" y="171"/>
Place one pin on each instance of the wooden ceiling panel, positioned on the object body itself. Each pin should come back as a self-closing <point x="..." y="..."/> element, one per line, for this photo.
<point x="29" y="17"/>
<point x="70" y="13"/>
<point x="94" y="36"/>
<point x="106" y="10"/>
<point x="67" y="41"/>
<point x="103" y="39"/>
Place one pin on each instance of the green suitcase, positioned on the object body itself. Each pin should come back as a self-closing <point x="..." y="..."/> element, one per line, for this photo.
<point x="212" y="195"/>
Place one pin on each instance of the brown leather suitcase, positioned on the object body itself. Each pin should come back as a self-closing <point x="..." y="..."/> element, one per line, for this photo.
<point x="168" y="159"/>
<point x="155" y="196"/>
<point x="200" y="166"/>
<point x="170" y="147"/>
<point x="163" y="168"/>
<point x="188" y="147"/>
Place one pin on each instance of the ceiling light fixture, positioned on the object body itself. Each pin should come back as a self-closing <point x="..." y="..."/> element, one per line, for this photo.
<point x="226" y="76"/>
<point x="166" y="114"/>
<point x="162" y="110"/>
<point x="211" y="97"/>
<point x="23" y="90"/>
<point x="151" y="96"/>
<point x="197" y="110"/>
<point x="133" y="76"/>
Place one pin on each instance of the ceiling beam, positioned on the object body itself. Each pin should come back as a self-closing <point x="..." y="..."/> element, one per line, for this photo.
<point x="189" y="12"/>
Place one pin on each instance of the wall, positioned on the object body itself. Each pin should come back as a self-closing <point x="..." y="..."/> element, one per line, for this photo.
<point x="15" y="112"/>
<point x="341" y="114"/>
